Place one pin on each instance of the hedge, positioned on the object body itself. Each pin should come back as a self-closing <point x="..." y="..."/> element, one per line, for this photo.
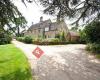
<point x="26" y="39"/>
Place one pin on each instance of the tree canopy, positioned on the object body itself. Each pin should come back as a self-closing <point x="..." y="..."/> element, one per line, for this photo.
<point x="92" y="32"/>
<point x="86" y="10"/>
<point x="80" y="9"/>
<point x="9" y="14"/>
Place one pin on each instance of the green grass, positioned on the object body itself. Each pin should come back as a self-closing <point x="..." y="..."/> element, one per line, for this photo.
<point x="13" y="64"/>
<point x="98" y="56"/>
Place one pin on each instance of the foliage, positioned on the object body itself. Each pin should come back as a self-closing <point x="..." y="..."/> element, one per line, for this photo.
<point x="57" y="36"/>
<point x="52" y="41"/>
<point x="38" y="39"/>
<point x="13" y="64"/>
<point x="49" y="43"/>
<point x="62" y="36"/>
<point x="82" y="36"/>
<point x="79" y="9"/>
<point x="98" y="56"/>
<point x="93" y="47"/>
<point x="8" y="14"/>
<point x="92" y="32"/>
<point x="20" y="23"/>
<point x="26" y="39"/>
<point x="74" y="28"/>
<point x="20" y="39"/>
<point x="55" y="40"/>
<point x="4" y="37"/>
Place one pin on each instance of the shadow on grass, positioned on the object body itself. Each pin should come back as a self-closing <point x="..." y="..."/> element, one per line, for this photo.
<point x="18" y="75"/>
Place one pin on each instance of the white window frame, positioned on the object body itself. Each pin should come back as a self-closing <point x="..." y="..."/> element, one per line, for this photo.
<point x="46" y="28"/>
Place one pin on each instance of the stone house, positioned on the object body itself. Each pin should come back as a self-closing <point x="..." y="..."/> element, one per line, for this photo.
<point x="47" y="28"/>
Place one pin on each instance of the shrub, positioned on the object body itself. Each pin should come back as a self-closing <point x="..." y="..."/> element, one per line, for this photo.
<point x="55" y="40"/>
<point x="28" y="39"/>
<point x="52" y="41"/>
<point x="5" y="38"/>
<point x="20" y="39"/>
<point x="92" y="32"/>
<point x="62" y="36"/>
<point x="82" y="38"/>
<point x="38" y="39"/>
<point x="93" y="47"/>
<point x="57" y="36"/>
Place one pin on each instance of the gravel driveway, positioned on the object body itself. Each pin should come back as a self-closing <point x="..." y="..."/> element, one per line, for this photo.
<point x="62" y="62"/>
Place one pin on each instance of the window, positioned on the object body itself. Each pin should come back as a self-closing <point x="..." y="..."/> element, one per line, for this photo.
<point x="47" y="29"/>
<point x="39" y="29"/>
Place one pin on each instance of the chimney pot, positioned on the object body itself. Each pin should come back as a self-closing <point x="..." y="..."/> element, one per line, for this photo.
<point x="41" y="18"/>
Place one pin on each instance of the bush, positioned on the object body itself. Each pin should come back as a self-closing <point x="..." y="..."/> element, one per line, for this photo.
<point x="26" y="39"/>
<point x="92" y="32"/>
<point x="55" y="40"/>
<point x="5" y="38"/>
<point x="38" y="39"/>
<point x="57" y="36"/>
<point x="62" y="36"/>
<point x="93" y="47"/>
<point x="82" y="38"/>
<point x="20" y="39"/>
<point x="52" y="41"/>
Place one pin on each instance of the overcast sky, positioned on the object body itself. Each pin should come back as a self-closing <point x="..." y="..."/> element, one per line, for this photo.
<point x="33" y="12"/>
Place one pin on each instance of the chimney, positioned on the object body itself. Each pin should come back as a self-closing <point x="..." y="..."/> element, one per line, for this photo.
<point x="41" y="18"/>
<point x="32" y="23"/>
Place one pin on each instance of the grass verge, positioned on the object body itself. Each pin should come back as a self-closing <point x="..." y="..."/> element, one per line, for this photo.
<point x="13" y="64"/>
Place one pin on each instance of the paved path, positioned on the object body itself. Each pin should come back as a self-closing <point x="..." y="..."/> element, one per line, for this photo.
<point x="65" y="62"/>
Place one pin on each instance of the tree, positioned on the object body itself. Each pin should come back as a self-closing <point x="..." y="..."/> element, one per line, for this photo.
<point x="74" y="29"/>
<point x="20" y="23"/>
<point x="9" y="13"/>
<point x="88" y="10"/>
<point x="92" y="32"/>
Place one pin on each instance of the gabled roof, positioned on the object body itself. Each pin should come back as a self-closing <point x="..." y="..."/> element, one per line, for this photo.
<point x="39" y="25"/>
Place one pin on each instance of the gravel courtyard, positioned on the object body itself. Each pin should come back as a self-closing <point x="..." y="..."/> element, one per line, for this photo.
<point x="62" y="62"/>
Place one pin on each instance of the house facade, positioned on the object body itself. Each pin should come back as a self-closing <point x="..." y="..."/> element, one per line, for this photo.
<point x="47" y="28"/>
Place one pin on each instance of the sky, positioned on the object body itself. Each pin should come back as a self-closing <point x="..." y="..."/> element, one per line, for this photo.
<point x="33" y="12"/>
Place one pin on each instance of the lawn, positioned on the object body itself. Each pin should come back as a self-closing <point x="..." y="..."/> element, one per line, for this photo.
<point x="13" y="64"/>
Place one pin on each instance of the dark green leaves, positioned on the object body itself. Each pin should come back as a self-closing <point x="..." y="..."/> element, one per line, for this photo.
<point x="9" y="13"/>
<point x="78" y="9"/>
